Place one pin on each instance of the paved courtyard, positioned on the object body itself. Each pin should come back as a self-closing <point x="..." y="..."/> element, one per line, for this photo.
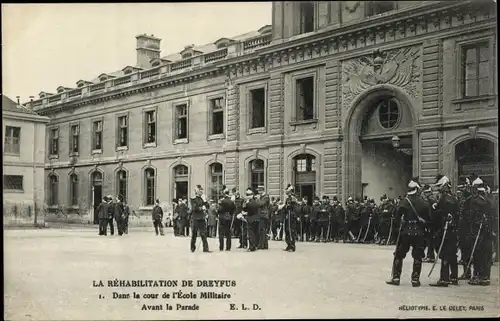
<point x="49" y="275"/>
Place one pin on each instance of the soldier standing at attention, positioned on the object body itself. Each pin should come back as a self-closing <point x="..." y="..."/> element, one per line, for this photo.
<point x="226" y="212"/>
<point x="265" y="209"/>
<point x="385" y="214"/>
<point x="212" y="219"/>
<point x="111" y="215"/>
<point x="323" y="217"/>
<point x="119" y="215"/>
<point x="338" y="215"/>
<point x="199" y="224"/>
<point x="432" y="226"/>
<point x="102" y="209"/>
<point x="350" y="223"/>
<point x="241" y="224"/>
<point x="414" y="213"/>
<point x="314" y="219"/>
<point x="447" y="209"/>
<point x="251" y="211"/>
<point x="304" y="216"/>
<point x="290" y="224"/>
<point x="157" y="216"/>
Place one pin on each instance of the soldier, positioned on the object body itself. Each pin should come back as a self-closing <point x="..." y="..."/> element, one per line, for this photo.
<point x="126" y="214"/>
<point x="264" y="212"/>
<point x="226" y="213"/>
<point x="337" y="219"/>
<point x="251" y="211"/>
<point x="111" y="215"/>
<point x="465" y="236"/>
<point x="480" y="211"/>
<point x="349" y="221"/>
<point x="290" y="222"/>
<point x="432" y="226"/>
<point x="275" y="222"/>
<point x="102" y="209"/>
<point x="304" y="212"/>
<point x="313" y="219"/>
<point x="175" y="217"/>
<point x="446" y="210"/>
<point x="323" y="217"/>
<point x="119" y="215"/>
<point x="386" y="220"/>
<point x="157" y="216"/>
<point x="414" y="213"/>
<point x="198" y="219"/>
<point x="212" y="220"/>
<point x="281" y="218"/>
<point x="182" y="209"/>
<point x="242" y="225"/>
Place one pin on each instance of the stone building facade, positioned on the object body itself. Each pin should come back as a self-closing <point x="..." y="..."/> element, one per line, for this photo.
<point x="345" y="98"/>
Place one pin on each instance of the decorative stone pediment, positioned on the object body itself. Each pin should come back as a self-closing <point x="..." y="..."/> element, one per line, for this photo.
<point x="399" y="67"/>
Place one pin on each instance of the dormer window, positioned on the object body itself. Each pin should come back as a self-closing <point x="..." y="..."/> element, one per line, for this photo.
<point x="378" y="7"/>
<point x="103" y="78"/>
<point x="81" y="85"/>
<point x="155" y="64"/>
<point x="187" y="55"/>
<point x="128" y="71"/>
<point x="222" y="45"/>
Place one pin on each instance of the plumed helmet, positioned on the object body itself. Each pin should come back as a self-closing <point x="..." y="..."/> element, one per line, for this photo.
<point x="427" y="188"/>
<point x="249" y="192"/>
<point x="442" y="180"/>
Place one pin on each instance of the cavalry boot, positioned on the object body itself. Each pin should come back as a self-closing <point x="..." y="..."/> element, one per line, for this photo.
<point x="444" y="278"/>
<point x="415" y="275"/>
<point x="454" y="272"/>
<point x="397" y="267"/>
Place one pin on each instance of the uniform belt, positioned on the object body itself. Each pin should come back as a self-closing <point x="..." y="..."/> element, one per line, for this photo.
<point x="412" y="222"/>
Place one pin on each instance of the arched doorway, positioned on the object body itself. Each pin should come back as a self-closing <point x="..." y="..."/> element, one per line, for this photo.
<point x="372" y="165"/>
<point x="97" y="194"/>
<point x="304" y="176"/>
<point x="476" y="157"/>
<point x="181" y="181"/>
<point x="257" y="174"/>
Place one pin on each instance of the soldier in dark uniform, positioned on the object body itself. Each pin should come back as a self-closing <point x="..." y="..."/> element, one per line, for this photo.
<point x="338" y="216"/>
<point x="198" y="219"/>
<point x="446" y="209"/>
<point x="432" y="226"/>
<point x="305" y="220"/>
<point x="119" y="215"/>
<point x="481" y="214"/>
<point x="102" y="209"/>
<point x="264" y="212"/>
<point x="274" y="218"/>
<point x="385" y="217"/>
<point x="349" y="221"/>
<point x="290" y="223"/>
<point x="226" y="212"/>
<point x="414" y="213"/>
<point x="251" y="211"/>
<point x="396" y="220"/>
<point x="494" y="223"/>
<point x="465" y="236"/>
<point x="323" y="217"/>
<point x="175" y="217"/>
<point x="241" y="224"/>
<point x="157" y="216"/>
<point x="126" y="214"/>
<point x="364" y="219"/>
<point x="111" y="215"/>
<point x="300" y="218"/>
<point x="281" y="217"/>
<point x="314" y="219"/>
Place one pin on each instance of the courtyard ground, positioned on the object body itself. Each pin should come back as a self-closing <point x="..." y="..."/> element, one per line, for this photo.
<point x="49" y="274"/>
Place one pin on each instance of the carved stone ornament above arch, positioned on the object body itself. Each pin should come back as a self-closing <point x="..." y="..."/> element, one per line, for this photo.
<point x="397" y="67"/>
<point x="72" y="171"/>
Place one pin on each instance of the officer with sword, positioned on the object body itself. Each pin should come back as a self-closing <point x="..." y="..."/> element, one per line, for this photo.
<point x="413" y="211"/>
<point x="446" y="209"/>
<point x="226" y="214"/>
<point x="290" y="208"/>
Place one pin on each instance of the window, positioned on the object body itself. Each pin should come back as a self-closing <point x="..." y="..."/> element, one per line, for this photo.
<point x="54" y="141"/>
<point x="388" y="113"/>
<point x="182" y="122"/>
<point x="217" y="116"/>
<point x="378" y="7"/>
<point x="305" y="98"/>
<point x="53" y="185"/>
<point x="187" y="55"/>
<point x="13" y="182"/>
<point x="257" y="108"/>
<point x="216" y="181"/>
<point x="305" y="163"/>
<point x="256" y="173"/>
<point x="75" y="134"/>
<point x="97" y="136"/>
<point x="476" y="70"/>
<point x="122" y="131"/>
<point x="306" y="17"/>
<point x="150" y="186"/>
<point x="305" y="176"/>
<point x="150" y="124"/>
<point x="73" y="189"/>
<point x="121" y="182"/>
<point x="12" y="140"/>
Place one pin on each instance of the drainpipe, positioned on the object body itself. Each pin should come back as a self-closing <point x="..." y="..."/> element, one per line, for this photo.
<point x="34" y="175"/>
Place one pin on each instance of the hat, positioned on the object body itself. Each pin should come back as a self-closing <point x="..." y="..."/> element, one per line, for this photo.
<point x="413" y="185"/>
<point x="442" y="180"/>
<point x="427" y="188"/>
<point x="335" y="198"/>
<point x="158" y="201"/>
<point x="479" y="184"/>
<point x="325" y="197"/>
<point x="349" y="199"/>
<point x="289" y="189"/>
<point x="249" y="191"/>
<point x="316" y="198"/>
<point x="234" y="190"/>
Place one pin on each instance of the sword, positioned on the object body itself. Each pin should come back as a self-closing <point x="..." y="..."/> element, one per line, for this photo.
<point x="359" y="234"/>
<point x="390" y="231"/>
<point x="367" y="229"/>
<point x="440" y="248"/>
<point x="473" y="249"/>
<point x="328" y="230"/>
<point x="352" y="235"/>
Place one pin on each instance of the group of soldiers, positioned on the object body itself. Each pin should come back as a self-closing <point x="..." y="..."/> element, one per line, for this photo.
<point x="110" y="212"/>
<point x="445" y="223"/>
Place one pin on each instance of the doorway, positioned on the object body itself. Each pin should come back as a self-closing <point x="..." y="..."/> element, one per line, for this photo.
<point x="304" y="190"/>
<point x="96" y="194"/>
<point x="181" y="189"/>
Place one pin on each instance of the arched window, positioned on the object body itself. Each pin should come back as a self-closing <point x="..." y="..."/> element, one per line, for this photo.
<point x="257" y="173"/>
<point x="53" y="189"/>
<point x="305" y="176"/>
<point x="388" y="113"/>
<point x="181" y="181"/>
<point x="149" y="175"/>
<point x="73" y="189"/>
<point x="216" y="181"/>
<point x="121" y="184"/>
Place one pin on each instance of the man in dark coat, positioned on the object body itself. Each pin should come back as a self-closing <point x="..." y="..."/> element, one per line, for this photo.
<point x="275" y="219"/>
<point x="351" y="229"/>
<point x="102" y="209"/>
<point x="198" y="219"/>
<point x="226" y="212"/>
<point x="385" y="218"/>
<point x="414" y="213"/>
<point x="432" y="227"/>
<point x="175" y="217"/>
<point x="446" y="210"/>
<point x="481" y="216"/>
<point x="323" y="218"/>
<point x="305" y="220"/>
<point x="241" y="225"/>
<point x="251" y="211"/>
<point x="338" y="216"/>
<point x="265" y="208"/>
<point x="119" y="209"/>
<point x="111" y="215"/>
<point x="157" y="216"/>
<point x="290" y="223"/>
